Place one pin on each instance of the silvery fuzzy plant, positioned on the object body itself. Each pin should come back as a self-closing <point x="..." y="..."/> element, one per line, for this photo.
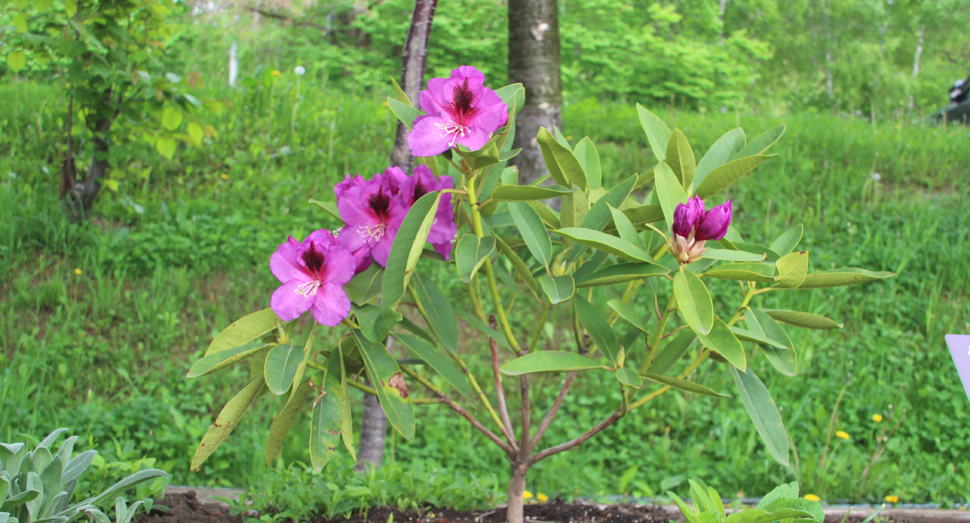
<point x="519" y="258"/>
<point x="37" y="486"/>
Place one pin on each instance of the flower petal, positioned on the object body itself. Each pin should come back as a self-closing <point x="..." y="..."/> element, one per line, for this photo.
<point x="443" y="248"/>
<point x="331" y="305"/>
<point x="715" y="224"/>
<point x="341" y="266"/>
<point x="426" y="138"/>
<point x="349" y="182"/>
<point x="475" y="138"/>
<point x="288" y="303"/>
<point x="284" y="262"/>
<point x="491" y="116"/>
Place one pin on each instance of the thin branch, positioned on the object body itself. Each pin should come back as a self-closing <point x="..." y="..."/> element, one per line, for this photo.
<point x="503" y="408"/>
<point x="547" y="420"/>
<point x="617" y="414"/>
<point x="526" y="409"/>
<point x="288" y="19"/>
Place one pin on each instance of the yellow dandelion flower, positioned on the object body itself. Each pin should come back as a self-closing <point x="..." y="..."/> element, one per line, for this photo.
<point x="812" y="497"/>
<point x="892" y="499"/>
<point x="77" y="271"/>
<point x="877" y="418"/>
<point x="542" y="498"/>
<point x="275" y="73"/>
<point x="842" y="434"/>
<point x="224" y="176"/>
<point x="526" y="495"/>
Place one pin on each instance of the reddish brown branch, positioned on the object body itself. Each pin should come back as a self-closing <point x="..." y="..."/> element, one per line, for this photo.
<point x="547" y="420"/>
<point x="503" y="408"/>
<point x="526" y="409"/>
<point x="617" y="414"/>
<point x="478" y="425"/>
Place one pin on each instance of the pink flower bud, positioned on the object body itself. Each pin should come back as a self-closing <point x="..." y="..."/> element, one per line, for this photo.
<point x="715" y="223"/>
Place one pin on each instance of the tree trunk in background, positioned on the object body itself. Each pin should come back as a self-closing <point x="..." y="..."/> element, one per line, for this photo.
<point x="413" y="56"/>
<point x="919" y="52"/>
<point x="373" y="430"/>
<point x="534" y="62"/>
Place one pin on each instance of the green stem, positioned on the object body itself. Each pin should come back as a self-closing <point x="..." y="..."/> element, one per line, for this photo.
<point x="653" y="395"/>
<point x="658" y="334"/>
<point x="539" y="326"/>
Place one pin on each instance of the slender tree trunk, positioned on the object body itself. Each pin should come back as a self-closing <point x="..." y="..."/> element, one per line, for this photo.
<point x="373" y="433"/>
<point x="918" y="54"/>
<point x="534" y="62"/>
<point x="516" y="504"/>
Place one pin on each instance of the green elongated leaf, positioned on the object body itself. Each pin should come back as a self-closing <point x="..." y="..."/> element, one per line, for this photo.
<point x="606" y="243"/>
<point x="328" y="207"/>
<point x="728" y="255"/>
<point x="283" y="422"/>
<point x="399" y="94"/>
<point x="841" y="277"/>
<point x="337" y="368"/>
<point x="718" y="154"/>
<point x="755" y="337"/>
<point x="756" y="249"/>
<point x="792" y="270"/>
<point x="678" y="383"/>
<point x="548" y="361"/>
<point x="689" y="514"/>
<point x="672" y="352"/>
<point x="783" y="491"/>
<point x="226" y="421"/>
<point x="669" y="191"/>
<point x="386" y="376"/>
<point x="244" y="330"/>
<point x="377" y="322"/>
<point x="761" y="143"/>
<point x="407" y="248"/>
<point x="585" y="152"/>
<point x="723" y="176"/>
<point x="404" y="112"/>
<point x="629" y="378"/>
<point x="626" y="230"/>
<point x="520" y="267"/>
<point x="220" y="360"/>
<point x="549" y="217"/>
<point x="722" y="341"/>
<point x="788" y="240"/>
<point x="307" y="352"/>
<point x="280" y="368"/>
<point x="520" y="193"/>
<point x="366" y="286"/>
<point x="599" y="215"/>
<point x="622" y="272"/>
<point x="598" y="328"/>
<point x="133" y="480"/>
<point x="438" y="308"/>
<point x="171" y="118"/>
<point x="326" y="422"/>
<point x="757" y="272"/>
<point x="763" y="412"/>
<point x="448" y="370"/>
<point x="514" y="96"/>
<point x="488" y="155"/>
<point x="696" y="307"/>
<point x="471" y="253"/>
<point x="657" y="133"/>
<point x="625" y="310"/>
<point x="558" y="289"/>
<point x="802" y="319"/>
<point x="480" y="326"/>
<point x="780" y="353"/>
<point x="530" y="225"/>
<point x="680" y="158"/>
<point x="416" y="330"/>
<point x="645" y="214"/>
<point x="575" y="208"/>
<point x="562" y="163"/>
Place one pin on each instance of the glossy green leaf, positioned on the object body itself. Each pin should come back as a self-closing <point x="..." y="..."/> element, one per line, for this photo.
<point x="404" y="112"/>
<point x="244" y="330"/>
<point x="548" y="361"/>
<point x="757" y="272"/>
<point x="519" y="193"/>
<point x="781" y="352"/>
<point x="669" y="191"/>
<point x="841" y="277"/>
<point x="672" y="352"/>
<point x="558" y="289"/>
<point x="599" y="215"/>
<point x="326" y="422"/>
<point x="560" y="160"/>
<point x="222" y="359"/>
<point x="171" y="118"/>
<point x="307" y="353"/>
<point x="530" y="225"/>
<point x="678" y="383"/>
<point x="471" y="253"/>
<point x="519" y="266"/>
<point x="756" y="249"/>
<point x="723" y="176"/>
<point x="755" y="337"/>
<point x="283" y="422"/>
<point x="226" y="421"/>
<point x="694" y="301"/>
<point x="764" y="413"/>
<point x="622" y="272"/>
<point x="717" y="155"/>
<point x="387" y="378"/>
<point x="802" y="319"/>
<point x="280" y="367"/>
<point x="788" y="240"/>
<point x="629" y="378"/>
<point x="448" y="370"/>
<point x="549" y="217"/>
<point x="792" y="270"/>
<point x="738" y="256"/>
<point x="377" y="322"/>
<point x="585" y="152"/>
<point x="761" y="143"/>
<point x="407" y="248"/>
<point x="645" y="214"/>
<point x="399" y="94"/>
<point x="626" y="311"/>
<point x="722" y="341"/>
<point x="438" y="308"/>
<point x="625" y="228"/>
<point x="337" y="368"/>
<point x="598" y="328"/>
<point x="680" y="158"/>
<point x="366" y="286"/>
<point x="606" y="243"/>
<point x="575" y="208"/>
<point x="657" y="132"/>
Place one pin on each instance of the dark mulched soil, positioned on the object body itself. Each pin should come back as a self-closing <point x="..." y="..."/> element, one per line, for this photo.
<point x="186" y="508"/>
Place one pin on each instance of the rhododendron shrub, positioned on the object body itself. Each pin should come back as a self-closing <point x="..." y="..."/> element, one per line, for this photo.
<point x="655" y="241"/>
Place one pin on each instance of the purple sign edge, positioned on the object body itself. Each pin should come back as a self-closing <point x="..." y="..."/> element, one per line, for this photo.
<point x="959" y="345"/>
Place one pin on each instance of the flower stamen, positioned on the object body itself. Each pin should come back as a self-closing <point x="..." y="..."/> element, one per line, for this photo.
<point x="372" y="232"/>
<point x="308" y="289"/>
<point x="453" y="129"/>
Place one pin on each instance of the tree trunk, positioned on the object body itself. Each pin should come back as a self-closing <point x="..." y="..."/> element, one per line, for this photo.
<point x="919" y="53"/>
<point x="515" y="512"/>
<point x="413" y="56"/>
<point x="373" y="432"/>
<point x="534" y="62"/>
<point x="79" y="200"/>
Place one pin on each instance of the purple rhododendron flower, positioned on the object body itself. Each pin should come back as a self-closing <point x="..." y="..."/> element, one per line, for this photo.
<point x="313" y="273"/>
<point x="444" y="228"/>
<point x="458" y="110"/>
<point x="693" y="226"/>
<point x="372" y="212"/>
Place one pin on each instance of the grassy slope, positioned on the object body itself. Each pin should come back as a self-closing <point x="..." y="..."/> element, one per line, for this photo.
<point x="105" y="352"/>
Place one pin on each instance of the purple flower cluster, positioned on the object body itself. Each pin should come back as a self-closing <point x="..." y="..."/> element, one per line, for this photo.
<point x="693" y="226"/>
<point x="459" y="110"/>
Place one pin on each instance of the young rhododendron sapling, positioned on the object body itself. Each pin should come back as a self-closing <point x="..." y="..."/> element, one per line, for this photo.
<point x="596" y="266"/>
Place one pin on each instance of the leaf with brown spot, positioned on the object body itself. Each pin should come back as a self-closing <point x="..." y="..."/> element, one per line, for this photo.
<point x="227" y="420"/>
<point x="326" y="421"/>
<point x="397" y="381"/>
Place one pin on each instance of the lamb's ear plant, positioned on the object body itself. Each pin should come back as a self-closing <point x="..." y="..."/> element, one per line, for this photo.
<point x="781" y="504"/>
<point x="38" y="485"/>
<point x="523" y="265"/>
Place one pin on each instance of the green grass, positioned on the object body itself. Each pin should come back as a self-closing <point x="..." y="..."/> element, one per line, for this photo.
<point x="179" y="252"/>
